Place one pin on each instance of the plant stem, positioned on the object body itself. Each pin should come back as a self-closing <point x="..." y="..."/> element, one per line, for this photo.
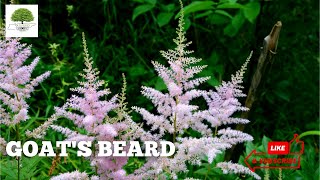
<point x="175" y="123"/>
<point x="174" y="128"/>
<point x="18" y="158"/>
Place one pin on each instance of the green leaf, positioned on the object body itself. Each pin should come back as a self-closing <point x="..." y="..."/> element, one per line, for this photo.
<point x="283" y="95"/>
<point x="202" y="171"/>
<point x="164" y="18"/>
<point x="219" y="158"/>
<point x="168" y="8"/>
<point x="213" y="82"/>
<point x="203" y="14"/>
<point x="251" y="11"/>
<point x="160" y="85"/>
<point x="152" y="2"/>
<point x="230" y="6"/>
<point x="27" y="170"/>
<point x="222" y="12"/>
<point x="9" y="169"/>
<point x="249" y="147"/>
<point x="232" y="29"/>
<point x="307" y="133"/>
<point x="187" y="24"/>
<point x="141" y="10"/>
<point x="137" y="70"/>
<point x="218" y="19"/>
<point x="197" y="6"/>
<point x="138" y="1"/>
<point x="265" y="141"/>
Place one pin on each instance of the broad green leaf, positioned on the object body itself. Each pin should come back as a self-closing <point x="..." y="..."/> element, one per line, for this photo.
<point x="283" y="95"/>
<point x="197" y="6"/>
<point x="232" y="29"/>
<point x="219" y="68"/>
<point x="218" y="19"/>
<point x="251" y="11"/>
<point x="138" y="1"/>
<point x="219" y="158"/>
<point x="212" y="81"/>
<point x="187" y="24"/>
<point x="168" y="8"/>
<point x="164" y="18"/>
<point x="249" y="147"/>
<point x="213" y="60"/>
<point x="230" y="6"/>
<point x="202" y="171"/>
<point x="265" y="141"/>
<point x="137" y="70"/>
<point x="160" y="85"/>
<point x="152" y="2"/>
<point x="141" y="10"/>
<point x="203" y="14"/>
<point x="222" y="12"/>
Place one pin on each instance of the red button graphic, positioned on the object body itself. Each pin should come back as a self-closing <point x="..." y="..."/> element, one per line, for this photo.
<point x="278" y="148"/>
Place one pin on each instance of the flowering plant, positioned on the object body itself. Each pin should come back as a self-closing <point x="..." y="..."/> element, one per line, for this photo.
<point x="177" y="115"/>
<point x="87" y="111"/>
<point x="16" y="84"/>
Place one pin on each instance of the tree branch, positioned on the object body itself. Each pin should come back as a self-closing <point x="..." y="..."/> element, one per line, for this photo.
<point x="266" y="58"/>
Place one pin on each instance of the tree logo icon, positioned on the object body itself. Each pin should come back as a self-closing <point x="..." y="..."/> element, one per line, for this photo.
<point x="21" y="20"/>
<point x="22" y="14"/>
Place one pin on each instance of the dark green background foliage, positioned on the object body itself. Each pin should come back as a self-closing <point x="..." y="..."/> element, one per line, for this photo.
<point x="22" y="14"/>
<point x="124" y="36"/>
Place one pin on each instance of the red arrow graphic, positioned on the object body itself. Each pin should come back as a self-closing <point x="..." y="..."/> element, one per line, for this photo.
<point x="260" y="160"/>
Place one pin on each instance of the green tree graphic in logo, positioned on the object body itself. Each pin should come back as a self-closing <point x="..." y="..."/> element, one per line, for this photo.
<point x="22" y="14"/>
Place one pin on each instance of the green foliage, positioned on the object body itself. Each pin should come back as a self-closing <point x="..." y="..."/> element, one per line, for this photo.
<point x="22" y="14"/>
<point x="29" y="167"/>
<point x="212" y="12"/>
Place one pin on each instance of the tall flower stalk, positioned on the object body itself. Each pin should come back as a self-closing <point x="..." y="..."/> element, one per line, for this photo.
<point x="176" y="115"/>
<point x="89" y="109"/>
<point x="16" y="85"/>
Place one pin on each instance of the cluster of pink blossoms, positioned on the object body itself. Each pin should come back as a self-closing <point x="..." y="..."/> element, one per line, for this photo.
<point x="176" y="115"/>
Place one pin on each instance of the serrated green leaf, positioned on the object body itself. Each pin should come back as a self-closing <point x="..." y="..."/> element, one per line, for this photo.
<point x="164" y="18"/>
<point x="9" y="169"/>
<point x="197" y="6"/>
<point x="141" y="10"/>
<point x="251" y="11"/>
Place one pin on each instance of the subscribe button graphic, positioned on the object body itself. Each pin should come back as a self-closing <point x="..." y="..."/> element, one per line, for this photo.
<point x="278" y="148"/>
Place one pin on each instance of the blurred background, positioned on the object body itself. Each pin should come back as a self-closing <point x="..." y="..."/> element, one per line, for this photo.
<point x="124" y="36"/>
